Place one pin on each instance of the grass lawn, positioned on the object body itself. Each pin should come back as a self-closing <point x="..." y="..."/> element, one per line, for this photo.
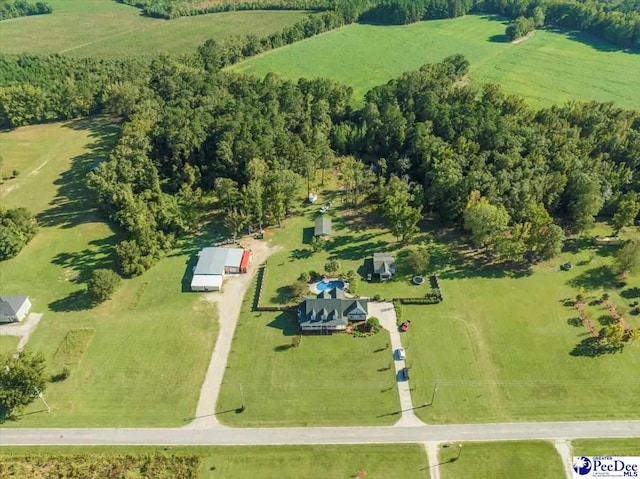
<point x="285" y="462"/>
<point x="547" y="68"/>
<point x="606" y="447"/>
<point x="8" y="344"/>
<point x="144" y="362"/>
<point x="503" y="347"/>
<point x="500" y="460"/>
<point x="107" y="29"/>
<point x="327" y="380"/>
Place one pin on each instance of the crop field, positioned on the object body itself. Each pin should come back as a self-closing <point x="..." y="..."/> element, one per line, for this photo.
<point x="550" y="67"/>
<point x="107" y="29"/>
<point x="407" y="461"/>
<point x="137" y="359"/>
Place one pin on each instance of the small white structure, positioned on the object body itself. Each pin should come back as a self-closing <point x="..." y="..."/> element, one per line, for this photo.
<point x="213" y="264"/>
<point x="312" y="198"/>
<point x="14" y="308"/>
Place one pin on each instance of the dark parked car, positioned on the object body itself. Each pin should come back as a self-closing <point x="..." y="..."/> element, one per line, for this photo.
<point x="404" y="373"/>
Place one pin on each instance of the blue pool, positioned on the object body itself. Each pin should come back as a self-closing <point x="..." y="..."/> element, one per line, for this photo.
<point x="325" y="285"/>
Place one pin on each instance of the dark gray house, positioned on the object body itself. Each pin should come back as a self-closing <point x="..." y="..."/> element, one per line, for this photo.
<point x="322" y="227"/>
<point x="384" y="265"/>
<point x="330" y="311"/>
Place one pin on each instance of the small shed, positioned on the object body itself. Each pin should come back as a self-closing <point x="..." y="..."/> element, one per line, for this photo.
<point x="14" y="308"/>
<point x="322" y="227"/>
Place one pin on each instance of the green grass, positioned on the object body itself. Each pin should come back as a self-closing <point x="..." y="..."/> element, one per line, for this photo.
<point x="148" y="355"/>
<point x="107" y="29"/>
<point x="8" y="344"/>
<point x="545" y="69"/>
<point x="285" y="462"/>
<point x="500" y="460"/>
<point x="503" y="347"/>
<point x="337" y="380"/>
<point x="72" y="346"/>
<point x="606" y="447"/>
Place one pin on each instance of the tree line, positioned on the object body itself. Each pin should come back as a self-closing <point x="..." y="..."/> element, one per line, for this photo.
<point x="22" y="8"/>
<point x="170" y="9"/>
<point x="423" y="144"/>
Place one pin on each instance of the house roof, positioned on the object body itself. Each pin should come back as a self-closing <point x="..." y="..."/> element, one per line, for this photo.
<point x="333" y="306"/>
<point x="213" y="260"/>
<point x="383" y="263"/>
<point x="10" y="305"/>
<point x="322" y="226"/>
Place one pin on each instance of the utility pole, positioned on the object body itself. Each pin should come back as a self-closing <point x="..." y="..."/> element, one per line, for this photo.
<point x="41" y="396"/>
<point x="459" y="451"/>
<point x="242" y="408"/>
<point x="433" y="393"/>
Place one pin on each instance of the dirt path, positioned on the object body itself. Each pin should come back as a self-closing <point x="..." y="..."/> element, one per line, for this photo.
<point x="229" y="302"/>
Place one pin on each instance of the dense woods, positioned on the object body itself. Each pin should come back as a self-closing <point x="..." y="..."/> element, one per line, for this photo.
<point x="425" y="143"/>
<point x="22" y="8"/>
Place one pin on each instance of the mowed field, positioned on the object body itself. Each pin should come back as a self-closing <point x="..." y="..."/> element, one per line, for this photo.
<point x="547" y="68"/>
<point x="500" y="460"/>
<point x="505" y="347"/>
<point x="143" y="354"/>
<point x="379" y="461"/>
<point x="107" y="29"/>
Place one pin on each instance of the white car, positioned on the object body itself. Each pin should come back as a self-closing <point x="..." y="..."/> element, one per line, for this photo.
<point x="324" y="209"/>
<point x="401" y="354"/>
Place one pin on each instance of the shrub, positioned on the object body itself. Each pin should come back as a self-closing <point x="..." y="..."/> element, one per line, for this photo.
<point x="102" y="284"/>
<point x="296" y="340"/>
<point x="399" y="312"/>
<point x="373" y="324"/>
<point x="332" y="266"/>
<point x="306" y="277"/>
<point x="62" y="375"/>
<point x="377" y="297"/>
<point x="298" y="289"/>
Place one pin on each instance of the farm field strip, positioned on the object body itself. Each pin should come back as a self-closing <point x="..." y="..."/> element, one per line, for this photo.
<point x="548" y="68"/>
<point x="107" y="29"/>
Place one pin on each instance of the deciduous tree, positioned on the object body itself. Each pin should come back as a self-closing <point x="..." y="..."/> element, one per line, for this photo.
<point x="22" y="379"/>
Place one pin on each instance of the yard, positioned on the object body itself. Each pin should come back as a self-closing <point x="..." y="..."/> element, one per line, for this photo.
<point x="144" y="362"/>
<point x="326" y="381"/>
<point x="508" y="346"/>
<point x="500" y="460"/>
<point x="504" y="345"/>
<point x="407" y="461"/>
<point x="8" y="344"/>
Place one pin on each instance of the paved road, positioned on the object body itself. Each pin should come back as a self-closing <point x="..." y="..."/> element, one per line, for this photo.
<point x="323" y="435"/>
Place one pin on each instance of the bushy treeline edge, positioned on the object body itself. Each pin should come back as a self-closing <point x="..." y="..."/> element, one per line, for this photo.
<point x="615" y="22"/>
<point x="22" y="8"/>
<point x="104" y="465"/>
<point x="515" y="178"/>
<point x="170" y="9"/>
